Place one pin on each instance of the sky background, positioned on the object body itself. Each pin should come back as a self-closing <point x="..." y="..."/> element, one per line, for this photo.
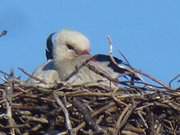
<point x="146" y="31"/>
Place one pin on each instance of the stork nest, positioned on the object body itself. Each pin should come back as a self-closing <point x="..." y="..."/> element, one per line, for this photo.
<point x="88" y="110"/>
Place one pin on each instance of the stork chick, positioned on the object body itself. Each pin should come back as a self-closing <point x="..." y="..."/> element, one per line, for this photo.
<point x="46" y="72"/>
<point x="71" y="49"/>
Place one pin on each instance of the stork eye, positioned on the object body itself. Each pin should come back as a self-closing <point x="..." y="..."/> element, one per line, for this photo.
<point x="69" y="47"/>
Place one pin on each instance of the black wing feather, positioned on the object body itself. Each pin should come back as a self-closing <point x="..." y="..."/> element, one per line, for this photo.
<point x="49" y="47"/>
<point x="110" y="64"/>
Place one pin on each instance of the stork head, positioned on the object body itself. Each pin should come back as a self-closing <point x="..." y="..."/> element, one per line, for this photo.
<point x="70" y="44"/>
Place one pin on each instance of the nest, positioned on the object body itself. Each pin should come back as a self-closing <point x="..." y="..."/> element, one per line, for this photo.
<point x="135" y="108"/>
<point x="88" y="110"/>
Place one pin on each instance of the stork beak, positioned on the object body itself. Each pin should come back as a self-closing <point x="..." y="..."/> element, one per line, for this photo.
<point x="84" y="53"/>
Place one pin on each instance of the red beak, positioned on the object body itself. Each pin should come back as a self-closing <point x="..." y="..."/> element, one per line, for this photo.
<point x="84" y="52"/>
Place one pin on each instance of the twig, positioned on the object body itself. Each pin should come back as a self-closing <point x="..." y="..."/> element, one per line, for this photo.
<point x="100" y="72"/>
<point x="87" y="116"/>
<point x="4" y="73"/>
<point x="8" y="96"/>
<point x="130" y="69"/>
<point x="78" y="68"/>
<point x="134" y="71"/>
<point x="15" y="95"/>
<point x="66" y="113"/>
<point x="125" y="58"/>
<point x="123" y="118"/>
<point x="153" y="79"/>
<point x="93" y="68"/>
<point x="142" y="118"/>
<point x="95" y="114"/>
<point x="144" y="83"/>
<point x="3" y="33"/>
<point x="31" y="76"/>
<point x="35" y="119"/>
<point x="173" y="79"/>
<point x="110" y="50"/>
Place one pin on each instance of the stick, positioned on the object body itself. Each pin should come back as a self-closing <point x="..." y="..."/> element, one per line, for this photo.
<point x="3" y="33"/>
<point x="66" y="113"/>
<point x="31" y="76"/>
<point x="8" y="96"/>
<point x="123" y="118"/>
<point x="134" y="71"/>
<point x="87" y="116"/>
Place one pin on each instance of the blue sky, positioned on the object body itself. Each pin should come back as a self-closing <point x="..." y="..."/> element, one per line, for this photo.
<point x="146" y="31"/>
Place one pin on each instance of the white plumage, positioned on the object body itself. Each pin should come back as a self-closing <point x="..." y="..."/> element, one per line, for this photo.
<point x="71" y="50"/>
<point x="66" y="52"/>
